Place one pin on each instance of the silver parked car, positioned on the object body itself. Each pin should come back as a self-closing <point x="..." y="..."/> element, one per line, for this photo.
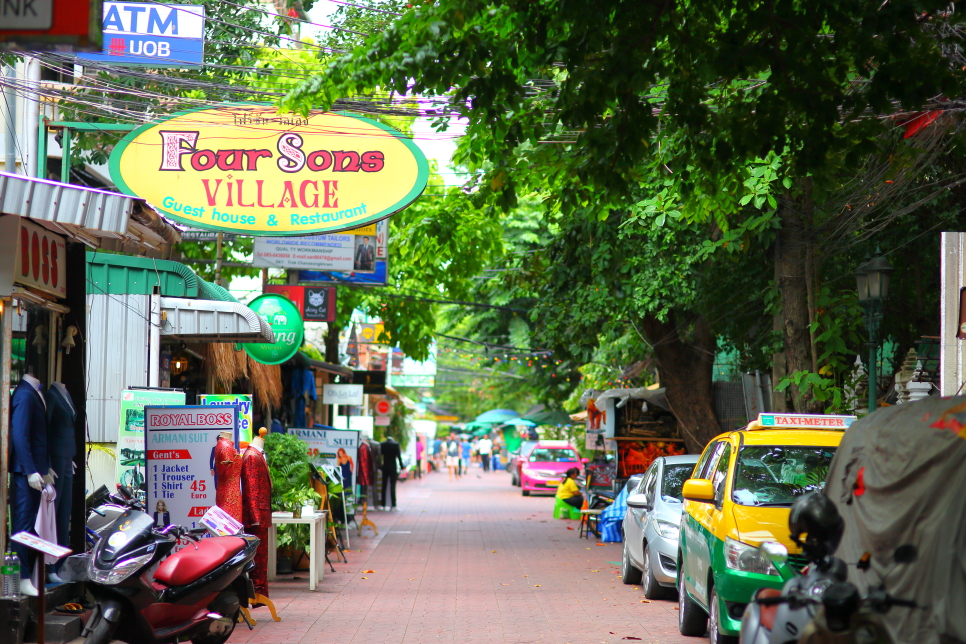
<point x="651" y="526"/>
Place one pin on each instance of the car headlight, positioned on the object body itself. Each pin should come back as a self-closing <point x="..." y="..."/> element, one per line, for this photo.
<point x="667" y="529"/>
<point x="741" y="556"/>
<point x="119" y="572"/>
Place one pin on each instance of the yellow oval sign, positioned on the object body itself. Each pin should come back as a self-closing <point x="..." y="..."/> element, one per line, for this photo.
<point x="247" y="169"/>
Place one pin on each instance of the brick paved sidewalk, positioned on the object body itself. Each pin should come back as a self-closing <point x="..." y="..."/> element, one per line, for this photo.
<point x="466" y="562"/>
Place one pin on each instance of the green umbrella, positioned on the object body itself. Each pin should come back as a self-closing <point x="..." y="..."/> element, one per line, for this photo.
<point x="550" y="417"/>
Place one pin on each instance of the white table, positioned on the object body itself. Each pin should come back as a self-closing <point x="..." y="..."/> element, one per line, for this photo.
<point x="316" y="523"/>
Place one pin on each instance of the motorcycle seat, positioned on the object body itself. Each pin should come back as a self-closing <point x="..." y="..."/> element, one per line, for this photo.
<point x="768" y="613"/>
<point x="190" y="563"/>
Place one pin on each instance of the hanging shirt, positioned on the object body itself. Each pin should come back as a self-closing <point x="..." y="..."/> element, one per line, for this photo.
<point x="46" y="524"/>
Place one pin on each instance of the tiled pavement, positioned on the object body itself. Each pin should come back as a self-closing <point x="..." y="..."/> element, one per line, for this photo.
<point x="465" y="562"/>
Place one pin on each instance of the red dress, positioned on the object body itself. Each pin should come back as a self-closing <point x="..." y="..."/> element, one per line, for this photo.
<point x="257" y="511"/>
<point x="228" y="464"/>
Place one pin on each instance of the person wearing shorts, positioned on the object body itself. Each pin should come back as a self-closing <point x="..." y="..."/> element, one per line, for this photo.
<point x="452" y="449"/>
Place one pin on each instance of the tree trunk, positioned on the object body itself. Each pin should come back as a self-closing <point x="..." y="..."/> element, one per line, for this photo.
<point x="685" y="355"/>
<point x="791" y="262"/>
<point x="332" y="343"/>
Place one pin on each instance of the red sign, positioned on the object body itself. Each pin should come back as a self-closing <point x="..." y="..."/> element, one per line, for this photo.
<point x="198" y="511"/>
<point x="315" y="303"/>
<point x="169" y="454"/>
<point x="51" y="25"/>
<point x="383" y="408"/>
<point x="41" y="260"/>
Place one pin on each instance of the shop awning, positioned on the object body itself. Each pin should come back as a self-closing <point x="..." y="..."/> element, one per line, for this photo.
<point x="212" y="321"/>
<point x="95" y="217"/>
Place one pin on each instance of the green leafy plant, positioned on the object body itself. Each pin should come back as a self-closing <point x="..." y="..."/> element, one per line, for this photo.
<point x="288" y="464"/>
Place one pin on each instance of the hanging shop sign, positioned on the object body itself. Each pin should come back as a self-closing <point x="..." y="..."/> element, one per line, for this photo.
<point x="286" y="322"/>
<point x="342" y="394"/>
<point x="130" y="435"/>
<point x="246" y="169"/>
<point x="150" y="34"/>
<point x="316" y="303"/>
<point x="179" y="444"/>
<point x="375" y="274"/>
<point x="244" y="404"/>
<point x="335" y="447"/>
<point x="345" y="252"/>
<point x="41" y="259"/>
<point x="50" y="25"/>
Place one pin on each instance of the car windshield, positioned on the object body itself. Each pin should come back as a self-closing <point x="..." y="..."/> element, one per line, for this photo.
<point x="547" y="455"/>
<point x="778" y="474"/>
<point x="674" y="478"/>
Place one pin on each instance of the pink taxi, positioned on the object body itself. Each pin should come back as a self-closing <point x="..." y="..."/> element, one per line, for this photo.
<point x="544" y="468"/>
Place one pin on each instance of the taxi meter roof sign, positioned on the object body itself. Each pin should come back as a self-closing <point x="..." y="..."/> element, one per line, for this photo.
<point x="801" y="421"/>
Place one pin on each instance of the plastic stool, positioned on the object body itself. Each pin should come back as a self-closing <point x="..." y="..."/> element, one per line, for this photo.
<point x="562" y="510"/>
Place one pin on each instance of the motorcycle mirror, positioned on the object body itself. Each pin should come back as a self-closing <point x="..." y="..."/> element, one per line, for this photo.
<point x="774" y="552"/>
<point x="905" y="554"/>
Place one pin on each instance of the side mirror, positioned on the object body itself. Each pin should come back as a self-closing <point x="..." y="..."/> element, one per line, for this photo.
<point x="774" y="552"/>
<point x="585" y="460"/>
<point x="638" y="501"/>
<point x="698" y="490"/>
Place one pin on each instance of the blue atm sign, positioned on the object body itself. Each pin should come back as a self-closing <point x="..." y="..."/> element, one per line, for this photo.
<point x="152" y="35"/>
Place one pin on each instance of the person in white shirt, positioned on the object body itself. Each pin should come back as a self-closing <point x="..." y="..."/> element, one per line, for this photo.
<point x="485" y="446"/>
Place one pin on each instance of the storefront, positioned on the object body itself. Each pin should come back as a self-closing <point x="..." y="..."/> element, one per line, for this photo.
<point x="45" y="230"/>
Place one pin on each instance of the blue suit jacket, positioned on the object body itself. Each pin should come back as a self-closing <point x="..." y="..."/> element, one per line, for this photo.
<point x="61" y="444"/>
<point x="28" y="431"/>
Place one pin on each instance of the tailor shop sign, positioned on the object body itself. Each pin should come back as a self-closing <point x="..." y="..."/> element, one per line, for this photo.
<point x="246" y="169"/>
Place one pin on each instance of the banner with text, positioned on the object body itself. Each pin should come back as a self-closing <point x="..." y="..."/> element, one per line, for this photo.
<point x="180" y="450"/>
<point x="338" y="447"/>
<point x="151" y="34"/>
<point x="244" y="403"/>
<point x="130" y="434"/>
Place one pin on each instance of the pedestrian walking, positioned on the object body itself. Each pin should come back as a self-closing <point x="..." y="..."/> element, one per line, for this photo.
<point x="465" y="456"/>
<point x="438" y="461"/>
<point x="485" y="447"/>
<point x="420" y="454"/>
<point x="452" y="448"/>
<point x="495" y="455"/>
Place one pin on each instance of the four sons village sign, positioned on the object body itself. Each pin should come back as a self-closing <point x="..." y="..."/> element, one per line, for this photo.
<point x="247" y="169"/>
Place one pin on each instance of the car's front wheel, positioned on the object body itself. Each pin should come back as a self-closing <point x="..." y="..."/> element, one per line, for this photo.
<point x="692" y="621"/>
<point x="525" y="492"/>
<point x="629" y="574"/>
<point x="715" y="636"/>
<point x="652" y="589"/>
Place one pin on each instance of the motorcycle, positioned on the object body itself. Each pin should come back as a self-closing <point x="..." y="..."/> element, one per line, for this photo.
<point x="820" y="606"/>
<point x="195" y="594"/>
<point x="103" y="508"/>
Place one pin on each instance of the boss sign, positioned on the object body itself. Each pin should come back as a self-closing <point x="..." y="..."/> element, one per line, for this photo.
<point x="152" y="35"/>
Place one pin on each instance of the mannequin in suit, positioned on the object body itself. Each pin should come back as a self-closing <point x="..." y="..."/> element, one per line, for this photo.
<point x="391" y="454"/>
<point x="228" y="464"/>
<point x="256" y="501"/>
<point x="29" y="467"/>
<point x="61" y="447"/>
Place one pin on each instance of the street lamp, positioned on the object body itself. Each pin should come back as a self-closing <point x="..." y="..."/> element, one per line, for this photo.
<point x="872" y="283"/>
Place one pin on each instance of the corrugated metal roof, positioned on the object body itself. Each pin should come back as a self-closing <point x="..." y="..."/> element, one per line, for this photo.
<point x="87" y="208"/>
<point x="139" y="275"/>
<point x="212" y="321"/>
<point x="117" y="358"/>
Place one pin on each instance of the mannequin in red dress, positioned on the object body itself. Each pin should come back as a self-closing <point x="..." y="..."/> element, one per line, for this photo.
<point x="257" y="508"/>
<point x="228" y="463"/>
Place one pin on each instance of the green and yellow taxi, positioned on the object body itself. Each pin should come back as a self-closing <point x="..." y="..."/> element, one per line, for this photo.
<point x="739" y="496"/>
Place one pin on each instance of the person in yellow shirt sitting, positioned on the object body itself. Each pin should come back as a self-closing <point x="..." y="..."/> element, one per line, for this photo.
<point x="568" y="492"/>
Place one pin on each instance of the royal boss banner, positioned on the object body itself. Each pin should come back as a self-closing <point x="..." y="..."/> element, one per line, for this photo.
<point x="247" y="169"/>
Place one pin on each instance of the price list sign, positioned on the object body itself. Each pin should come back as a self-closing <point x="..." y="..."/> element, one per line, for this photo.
<point x="179" y="449"/>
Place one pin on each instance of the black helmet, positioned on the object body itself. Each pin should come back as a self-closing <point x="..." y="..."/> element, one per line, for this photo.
<point x="816" y="517"/>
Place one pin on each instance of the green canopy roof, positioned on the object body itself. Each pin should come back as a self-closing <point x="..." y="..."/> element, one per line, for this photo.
<point x="550" y="417"/>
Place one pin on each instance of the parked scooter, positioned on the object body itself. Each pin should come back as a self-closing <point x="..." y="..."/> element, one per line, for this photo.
<point x="768" y="621"/>
<point x="103" y="508"/>
<point x="195" y="594"/>
<point x="821" y="607"/>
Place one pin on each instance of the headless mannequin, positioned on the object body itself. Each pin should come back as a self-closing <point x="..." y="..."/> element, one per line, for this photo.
<point x="29" y="467"/>
<point x="61" y="445"/>
<point x="228" y="464"/>
<point x="257" y="507"/>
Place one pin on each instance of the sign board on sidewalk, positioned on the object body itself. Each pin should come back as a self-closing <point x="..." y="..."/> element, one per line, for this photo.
<point x="50" y="25"/>
<point x="130" y="435"/>
<point x="151" y="34"/>
<point x="317" y="303"/>
<point x="245" y="168"/>
<point x="342" y="395"/>
<point x="244" y="403"/>
<point x="180" y="448"/>
<point x="337" y="447"/>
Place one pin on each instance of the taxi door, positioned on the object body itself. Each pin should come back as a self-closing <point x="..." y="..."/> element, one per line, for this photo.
<point x="708" y="519"/>
<point x="693" y="541"/>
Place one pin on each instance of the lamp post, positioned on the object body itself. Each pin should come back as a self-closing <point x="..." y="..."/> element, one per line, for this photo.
<point x="872" y="282"/>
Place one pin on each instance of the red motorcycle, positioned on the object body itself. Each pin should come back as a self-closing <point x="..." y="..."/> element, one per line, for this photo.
<point x="195" y="594"/>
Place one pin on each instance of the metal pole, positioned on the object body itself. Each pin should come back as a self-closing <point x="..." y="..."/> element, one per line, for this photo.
<point x="42" y="148"/>
<point x="65" y="156"/>
<point x="9" y="132"/>
<point x="154" y="340"/>
<point x="31" y="116"/>
<point x="872" y="324"/>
